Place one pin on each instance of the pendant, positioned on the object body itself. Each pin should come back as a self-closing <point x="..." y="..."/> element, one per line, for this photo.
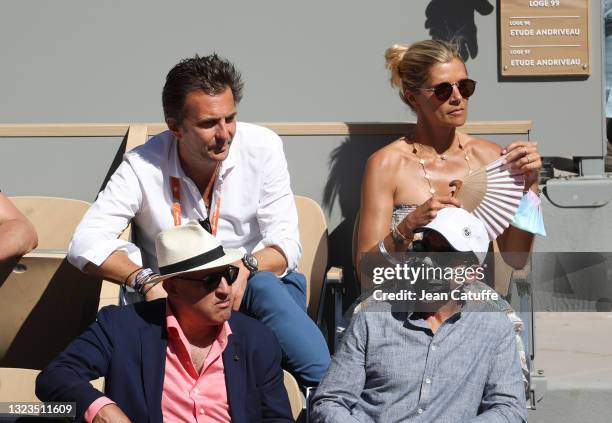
<point x="443" y="156"/>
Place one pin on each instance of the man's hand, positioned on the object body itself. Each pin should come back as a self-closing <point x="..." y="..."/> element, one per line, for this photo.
<point x="239" y="285"/>
<point x="111" y="413"/>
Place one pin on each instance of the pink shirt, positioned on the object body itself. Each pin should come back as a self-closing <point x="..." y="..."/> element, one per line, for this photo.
<point x="187" y="395"/>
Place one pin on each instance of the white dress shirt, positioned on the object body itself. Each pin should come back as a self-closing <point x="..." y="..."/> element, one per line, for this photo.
<point x="257" y="208"/>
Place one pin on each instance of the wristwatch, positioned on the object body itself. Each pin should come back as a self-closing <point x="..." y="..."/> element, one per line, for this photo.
<point x="251" y="263"/>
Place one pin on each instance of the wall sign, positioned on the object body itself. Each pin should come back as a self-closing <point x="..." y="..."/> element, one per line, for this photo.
<point x="544" y="37"/>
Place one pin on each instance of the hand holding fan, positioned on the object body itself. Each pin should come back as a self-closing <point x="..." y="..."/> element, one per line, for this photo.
<point x="492" y="193"/>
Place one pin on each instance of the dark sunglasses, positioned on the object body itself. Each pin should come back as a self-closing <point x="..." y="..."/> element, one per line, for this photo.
<point x="211" y="281"/>
<point x="444" y="90"/>
<point x="425" y="246"/>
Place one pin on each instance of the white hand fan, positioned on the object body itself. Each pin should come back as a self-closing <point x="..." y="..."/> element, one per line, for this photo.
<point x="492" y="193"/>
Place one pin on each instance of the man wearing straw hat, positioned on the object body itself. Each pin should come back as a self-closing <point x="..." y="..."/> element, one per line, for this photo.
<point x="181" y="359"/>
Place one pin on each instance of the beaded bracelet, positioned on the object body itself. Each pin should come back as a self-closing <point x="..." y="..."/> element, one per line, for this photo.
<point x="143" y="293"/>
<point x="125" y="282"/>
<point x="398" y="236"/>
<point x="141" y="280"/>
<point x="385" y="253"/>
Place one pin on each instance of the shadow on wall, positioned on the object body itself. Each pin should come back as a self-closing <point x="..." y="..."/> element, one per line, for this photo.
<point x="347" y="163"/>
<point x="453" y="21"/>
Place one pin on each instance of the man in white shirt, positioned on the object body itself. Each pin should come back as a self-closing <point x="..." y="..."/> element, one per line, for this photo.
<point x="231" y="177"/>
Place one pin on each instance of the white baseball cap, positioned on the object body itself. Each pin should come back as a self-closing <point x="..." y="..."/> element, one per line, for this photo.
<point x="463" y="231"/>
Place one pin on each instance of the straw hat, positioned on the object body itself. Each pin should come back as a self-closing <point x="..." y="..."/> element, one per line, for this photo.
<point x="189" y="248"/>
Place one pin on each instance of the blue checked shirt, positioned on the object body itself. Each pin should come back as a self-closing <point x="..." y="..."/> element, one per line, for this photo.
<point x="390" y="367"/>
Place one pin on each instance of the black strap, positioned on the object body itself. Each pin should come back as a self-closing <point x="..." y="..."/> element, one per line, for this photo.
<point x="192" y="262"/>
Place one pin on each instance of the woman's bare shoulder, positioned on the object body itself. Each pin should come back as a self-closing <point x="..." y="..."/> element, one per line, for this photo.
<point x="483" y="151"/>
<point x="391" y="157"/>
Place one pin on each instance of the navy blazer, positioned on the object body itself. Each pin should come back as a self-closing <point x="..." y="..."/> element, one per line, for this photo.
<point x="127" y="345"/>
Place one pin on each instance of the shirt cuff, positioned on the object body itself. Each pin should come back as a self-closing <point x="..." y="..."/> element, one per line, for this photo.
<point x="95" y="407"/>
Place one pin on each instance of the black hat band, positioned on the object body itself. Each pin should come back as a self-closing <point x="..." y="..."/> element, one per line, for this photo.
<point x="193" y="262"/>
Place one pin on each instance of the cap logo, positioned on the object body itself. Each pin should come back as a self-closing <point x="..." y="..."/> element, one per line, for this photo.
<point x="467" y="232"/>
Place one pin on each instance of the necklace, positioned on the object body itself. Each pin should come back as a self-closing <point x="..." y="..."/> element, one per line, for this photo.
<point x="443" y="157"/>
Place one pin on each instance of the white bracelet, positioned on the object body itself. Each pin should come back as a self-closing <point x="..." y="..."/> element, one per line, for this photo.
<point x="398" y="236"/>
<point x="385" y="253"/>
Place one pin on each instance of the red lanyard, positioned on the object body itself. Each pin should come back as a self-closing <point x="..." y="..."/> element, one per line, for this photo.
<point x="175" y="185"/>
<point x="214" y="221"/>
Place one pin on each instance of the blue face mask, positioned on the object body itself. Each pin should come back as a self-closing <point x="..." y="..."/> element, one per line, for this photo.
<point x="528" y="216"/>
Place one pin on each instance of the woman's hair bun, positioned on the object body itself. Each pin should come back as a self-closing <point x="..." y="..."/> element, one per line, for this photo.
<point x="393" y="58"/>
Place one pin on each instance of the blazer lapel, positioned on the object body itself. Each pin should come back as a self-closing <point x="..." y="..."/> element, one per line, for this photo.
<point x="153" y="355"/>
<point x="234" y="365"/>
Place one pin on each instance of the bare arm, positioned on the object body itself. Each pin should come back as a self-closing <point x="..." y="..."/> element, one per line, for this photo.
<point x="377" y="192"/>
<point x="120" y="269"/>
<point x="522" y="155"/>
<point x="515" y="245"/>
<point x="116" y="268"/>
<point x="17" y="234"/>
<point x="271" y="259"/>
<point x="377" y="199"/>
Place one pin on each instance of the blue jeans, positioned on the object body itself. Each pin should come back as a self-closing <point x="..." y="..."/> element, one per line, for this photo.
<point x="280" y="303"/>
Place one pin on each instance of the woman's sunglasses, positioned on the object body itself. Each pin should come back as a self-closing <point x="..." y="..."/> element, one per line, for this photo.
<point x="211" y="281"/>
<point x="444" y="90"/>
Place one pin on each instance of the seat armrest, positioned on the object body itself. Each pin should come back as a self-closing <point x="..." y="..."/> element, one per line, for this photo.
<point x="46" y="253"/>
<point x="334" y="282"/>
<point x="335" y="276"/>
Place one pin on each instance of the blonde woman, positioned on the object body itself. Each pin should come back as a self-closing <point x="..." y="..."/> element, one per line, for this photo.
<point x="407" y="182"/>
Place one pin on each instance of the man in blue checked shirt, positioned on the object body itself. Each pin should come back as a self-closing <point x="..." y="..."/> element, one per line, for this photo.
<point x="446" y="361"/>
